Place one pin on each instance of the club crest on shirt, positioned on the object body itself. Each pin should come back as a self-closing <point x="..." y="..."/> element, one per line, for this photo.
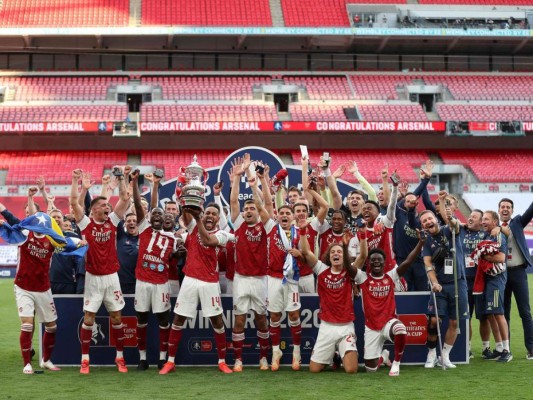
<point x="107" y="226"/>
<point x="385" y="281"/>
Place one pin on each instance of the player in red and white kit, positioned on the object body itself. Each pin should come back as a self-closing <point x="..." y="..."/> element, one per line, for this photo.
<point x="101" y="279"/>
<point x="379" y="230"/>
<point x="201" y="282"/>
<point x="379" y="306"/>
<point x="335" y="233"/>
<point x="334" y="287"/>
<point x="152" y="288"/>
<point x="250" y="281"/>
<point x="283" y="273"/>
<point x="33" y="294"/>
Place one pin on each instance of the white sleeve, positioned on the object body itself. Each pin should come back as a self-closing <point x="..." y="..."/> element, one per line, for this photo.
<point x="223" y="221"/>
<point x="114" y="218"/>
<point x="143" y="225"/>
<point x="360" y="277"/>
<point x="191" y="225"/>
<point x="224" y="237"/>
<point x="319" y="267"/>
<point x="84" y="222"/>
<point x="390" y="218"/>
<point x="238" y="222"/>
<point x="393" y="273"/>
<point x="270" y="225"/>
<point x="353" y="247"/>
<point x="317" y="226"/>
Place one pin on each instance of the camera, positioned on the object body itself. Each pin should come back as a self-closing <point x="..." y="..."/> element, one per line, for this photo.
<point x="117" y="171"/>
<point x="394" y="179"/>
<point x="260" y="169"/>
<point x="159" y="173"/>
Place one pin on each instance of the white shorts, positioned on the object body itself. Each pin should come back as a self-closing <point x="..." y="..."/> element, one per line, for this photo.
<point x="306" y="284"/>
<point x="102" y="288"/>
<point x="329" y="337"/>
<point x="174" y="287"/>
<point x="40" y="304"/>
<point x="152" y="297"/>
<point x="250" y="293"/>
<point x="374" y="340"/>
<point x="194" y="290"/>
<point x="282" y="297"/>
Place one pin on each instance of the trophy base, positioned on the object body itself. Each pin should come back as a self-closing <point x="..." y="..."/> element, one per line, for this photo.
<point x="194" y="202"/>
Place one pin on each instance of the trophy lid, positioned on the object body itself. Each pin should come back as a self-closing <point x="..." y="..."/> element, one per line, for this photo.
<point x="195" y="168"/>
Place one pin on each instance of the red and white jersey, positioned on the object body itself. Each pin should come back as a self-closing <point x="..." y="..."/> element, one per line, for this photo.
<point x="277" y="253"/>
<point x="34" y="264"/>
<point x="101" y="237"/>
<point x="335" y="292"/>
<point x="202" y="261"/>
<point x="313" y="231"/>
<point x="327" y="238"/>
<point x="155" y="248"/>
<point x="379" y="304"/>
<point x="251" y="248"/>
<point x="173" y="270"/>
<point x="378" y="237"/>
<point x="228" y="259"/>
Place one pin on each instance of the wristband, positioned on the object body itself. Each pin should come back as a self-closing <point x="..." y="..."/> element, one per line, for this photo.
<point x="252" y="180"/>
<point x="327" y="172"/>
<point x="361" y="235"/>
<point x="303" y="230"/>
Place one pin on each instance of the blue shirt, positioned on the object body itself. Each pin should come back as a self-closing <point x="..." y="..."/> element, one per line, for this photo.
<point x="127" y="251"/>
<point x="444" y="239"/>
<point x="65" y="269"/>
<point x="470" y="241"/>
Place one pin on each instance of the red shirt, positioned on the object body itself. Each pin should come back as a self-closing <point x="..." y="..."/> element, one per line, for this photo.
<point x="335" y="293"/>
<point x="34" y="264"/>
<point x="327" y="238"/>
<point x="379" y="304"/>
<point x="155" y="248"/>
<point x="276" y="252"/>
<point x="313" y="231"/>
<point x="101" y="237"/>
<point x="251" y="248"/>
<point x="378" y="237"/>
<point x="229" y="258"/>
<point x="202" y="261"/>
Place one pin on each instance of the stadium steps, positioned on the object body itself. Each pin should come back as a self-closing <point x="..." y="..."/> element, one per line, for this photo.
<point x="134" y="159"/>
<point x="463" y="207"/>
<point x="135" y="13"/>
<point x="412" y="2"/>
<point x="435" y="158"/>
<point x="276" y="13"/>
<point x="3" y="176"/>
<point x="432" y="116"/>
<point x="286" y="159"/>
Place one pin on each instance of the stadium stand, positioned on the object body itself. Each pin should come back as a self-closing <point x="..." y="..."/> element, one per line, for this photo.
<point x="494" y="166"/>
<point x="60" y="88"/>
<point x="392" y="113"/>
<point x="371" y="162"/>
<point x="56" y="167"/>
<point x="64" y="13"/>
<point x="206" y="87"/>
<point x="207" y="113"/>
<point x="484" y="112"/>
<point x="207" y="12"/>
<point x="478" y="2"/>
<point x="300" y="112"/>
<point x="172" y="161"/>
<point x="63" y="113"/>
<point x="322" y="87"/>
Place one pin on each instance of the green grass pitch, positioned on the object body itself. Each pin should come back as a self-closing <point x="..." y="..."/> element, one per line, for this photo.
<point x="479" y="380"/>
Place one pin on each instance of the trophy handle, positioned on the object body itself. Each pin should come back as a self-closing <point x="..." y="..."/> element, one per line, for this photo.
<point x="206" y="176"/>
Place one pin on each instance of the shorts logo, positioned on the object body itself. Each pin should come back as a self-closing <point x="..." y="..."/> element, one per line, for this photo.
<point x="20" y="309"/>
<point x="87" y="302"/>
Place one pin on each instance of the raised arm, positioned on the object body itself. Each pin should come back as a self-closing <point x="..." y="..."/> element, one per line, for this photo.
<point x="124" y="199"/>
<point x="265" y="188"/>
<point x="205" y="237"/>
<point x="305" y="249"/>
<point x="77" y="209"/>
<point x="331" y="180"/>
<point x="223" y="220"/>
<point x="139" y="211"/>
<point x="32" y="191"/>
<point x="391" y="208"/>
<point x="359" y="262"/>
<point x="237" y="171"/>
<point x="86" y="184"/>
<point x="154" y="195"/>
<point x="263" y="213"/>
<point x="404" y="266"/>
<point x="367" y="187"/>
<point x="385" y="183"/>
<point x="322" y="204"/>
<point x="42" y="189"/>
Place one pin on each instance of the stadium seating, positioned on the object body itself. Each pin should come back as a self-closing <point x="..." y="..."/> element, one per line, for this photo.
<point x="392" y="113"/>
<point x="371" y="162"/>
<point x="478" y="2"/>
<point x="379" y="87"/>
<point x="301" y="112"/>
<point x="61" y="88"/>
<point x="63" y="113"/>
<point x="485" y="87"/>
<point x="206" y="12"/>
<point x="172" y="161"/>
<point x="322" y="12"/>
<point x="207" y="87"/>
<point x="322" y="87"/>
<point x="56" y="167"/>
<point x="484" y="112"/>
<point x="64" y="13"/>
<point x="494" y="166"/>
<point x="208" y="113"/>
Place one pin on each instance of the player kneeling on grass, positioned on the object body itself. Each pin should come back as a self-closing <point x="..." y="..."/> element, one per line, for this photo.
<point x="201" y="283"/>
<point x="334" y="287"/>
<point x="379" y="307"/>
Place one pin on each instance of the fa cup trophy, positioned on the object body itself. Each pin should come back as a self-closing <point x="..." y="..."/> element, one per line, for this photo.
<point x="191" y="185"/>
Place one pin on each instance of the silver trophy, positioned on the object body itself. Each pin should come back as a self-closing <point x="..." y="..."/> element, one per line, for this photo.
<point x="191" y="185"/>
